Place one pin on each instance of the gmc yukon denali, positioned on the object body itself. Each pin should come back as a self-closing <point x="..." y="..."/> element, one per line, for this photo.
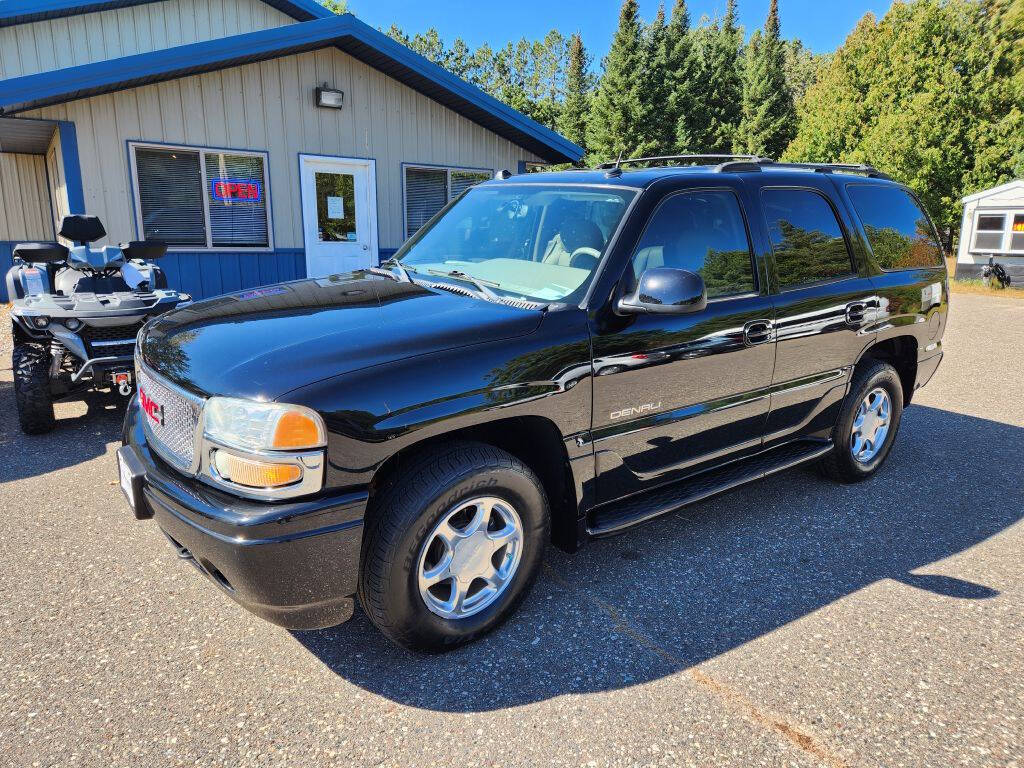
<point x="553" y="357"/>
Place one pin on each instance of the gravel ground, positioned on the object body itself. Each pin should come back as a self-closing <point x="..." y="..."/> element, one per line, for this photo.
<point x="793" y="622"/>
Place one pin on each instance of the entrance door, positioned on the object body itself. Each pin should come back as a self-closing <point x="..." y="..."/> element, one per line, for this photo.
<point x="339" y="213"/>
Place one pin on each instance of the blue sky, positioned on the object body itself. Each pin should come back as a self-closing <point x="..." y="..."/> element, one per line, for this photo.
<point x="821" y="24"/>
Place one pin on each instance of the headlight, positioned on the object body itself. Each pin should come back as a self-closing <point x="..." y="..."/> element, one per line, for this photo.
<point x="256" y="426"/>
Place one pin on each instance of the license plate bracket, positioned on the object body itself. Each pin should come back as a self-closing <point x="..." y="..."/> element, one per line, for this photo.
<point x="131" y="476"/>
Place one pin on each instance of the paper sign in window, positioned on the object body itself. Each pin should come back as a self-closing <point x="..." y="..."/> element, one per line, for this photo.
<point x="335" y="208"/>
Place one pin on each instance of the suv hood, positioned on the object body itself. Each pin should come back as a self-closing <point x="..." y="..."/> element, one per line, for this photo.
<point x="267" y="341"/>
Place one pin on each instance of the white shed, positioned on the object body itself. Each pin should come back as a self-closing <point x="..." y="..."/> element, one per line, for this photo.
<point x="993" y="227"/>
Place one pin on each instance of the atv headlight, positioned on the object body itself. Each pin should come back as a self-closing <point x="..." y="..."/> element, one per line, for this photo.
<point x="40" y="321"/>
<point x="255" y="426"/>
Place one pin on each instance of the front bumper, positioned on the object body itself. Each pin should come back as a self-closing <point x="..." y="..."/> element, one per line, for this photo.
<point x="295" y="563"/>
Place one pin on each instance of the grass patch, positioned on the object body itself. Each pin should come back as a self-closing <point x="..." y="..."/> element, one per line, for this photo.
<point x="975" y="285"/>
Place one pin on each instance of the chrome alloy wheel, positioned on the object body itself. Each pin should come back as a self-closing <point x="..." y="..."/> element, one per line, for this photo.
<point x="470" y="557"/>
<point x="871" y="425"/>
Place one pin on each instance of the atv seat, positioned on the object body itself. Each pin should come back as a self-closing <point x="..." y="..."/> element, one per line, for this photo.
<point x="81" y="228"/>
<point x="147" y="250"/>
<point x="40" y="253"/>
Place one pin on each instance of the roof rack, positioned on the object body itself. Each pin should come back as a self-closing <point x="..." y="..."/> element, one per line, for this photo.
<point x="744" y="163"/>
<point x="667" y="158"/>
<point x="863" y="168"/>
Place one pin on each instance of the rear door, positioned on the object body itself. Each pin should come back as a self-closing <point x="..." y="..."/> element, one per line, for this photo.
<point x="824" y="307"/>
<point x="674" y="393"/>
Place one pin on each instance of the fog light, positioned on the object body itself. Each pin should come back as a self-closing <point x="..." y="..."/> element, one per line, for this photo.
<point x="252" y="473"/>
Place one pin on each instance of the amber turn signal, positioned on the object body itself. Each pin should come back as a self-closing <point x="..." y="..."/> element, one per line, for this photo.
<point x="296" y="430"/>
<point x="254" y="474"/>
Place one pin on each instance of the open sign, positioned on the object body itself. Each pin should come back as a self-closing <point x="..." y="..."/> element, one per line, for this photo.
<point x="236" y="190"/>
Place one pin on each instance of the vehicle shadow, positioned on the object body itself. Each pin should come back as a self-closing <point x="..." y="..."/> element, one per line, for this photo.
<point x="74" y="440"/>
<point x="704" y="581"/>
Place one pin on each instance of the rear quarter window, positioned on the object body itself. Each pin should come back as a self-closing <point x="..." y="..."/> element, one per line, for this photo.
<point x="898" y="229"/>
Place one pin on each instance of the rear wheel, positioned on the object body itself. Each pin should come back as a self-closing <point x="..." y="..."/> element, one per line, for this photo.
<point x="31" y="364"/>
<point x="868" y="424"/>
<point x="453" y="546"/>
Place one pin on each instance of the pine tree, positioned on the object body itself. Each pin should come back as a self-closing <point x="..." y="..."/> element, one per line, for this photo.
<point x="768" y="124"/>
<point x="680" y="70"/>
<point x="572" y="123"/>
<point x="654" y="134"/>
<point x="718" y="88"/>
<point x="613" y="126"/>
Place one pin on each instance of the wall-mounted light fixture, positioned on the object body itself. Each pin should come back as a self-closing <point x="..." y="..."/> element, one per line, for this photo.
<point x="329" y="98"/>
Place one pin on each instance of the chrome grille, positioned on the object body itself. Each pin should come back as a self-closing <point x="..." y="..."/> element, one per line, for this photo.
<point x="174" y="435"/>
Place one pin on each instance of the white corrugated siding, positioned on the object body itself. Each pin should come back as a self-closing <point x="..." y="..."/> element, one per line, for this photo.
<point x="24" y="198"/>
<point x="269" y="106"/>
<point x="42" y="46"/>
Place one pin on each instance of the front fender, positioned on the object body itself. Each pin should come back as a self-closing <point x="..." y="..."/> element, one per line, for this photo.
<point x="373" y="413"/>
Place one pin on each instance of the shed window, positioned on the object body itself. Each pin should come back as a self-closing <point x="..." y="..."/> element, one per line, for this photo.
<point x="1017" y="237"/>
<point x="202" y="198"/>
<point x="428" y="190"/>
<point x="988" y="233"/>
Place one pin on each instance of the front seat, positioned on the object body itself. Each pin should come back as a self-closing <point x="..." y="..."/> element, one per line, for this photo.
<point x="573" y="233"/>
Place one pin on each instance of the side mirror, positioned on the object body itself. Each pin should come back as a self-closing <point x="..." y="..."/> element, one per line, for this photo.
<point x="665" y="291"/>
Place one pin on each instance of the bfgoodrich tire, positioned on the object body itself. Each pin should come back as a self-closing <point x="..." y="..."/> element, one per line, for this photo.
<point x="868" y="424"/>
<point x="453" y="546"/>
<point x="31" y="364"/>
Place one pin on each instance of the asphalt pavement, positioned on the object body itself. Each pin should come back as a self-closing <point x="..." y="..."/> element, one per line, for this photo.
<point x="793" y="622"/>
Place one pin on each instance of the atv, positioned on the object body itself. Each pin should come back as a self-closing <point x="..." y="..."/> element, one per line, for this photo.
<point x="76" y="313"/>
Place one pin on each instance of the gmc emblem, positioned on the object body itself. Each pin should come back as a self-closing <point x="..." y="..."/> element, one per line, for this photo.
<point x="151" y="407"/>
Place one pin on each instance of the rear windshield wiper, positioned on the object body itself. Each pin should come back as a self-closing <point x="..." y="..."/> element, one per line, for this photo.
<point x="480" y="285"/>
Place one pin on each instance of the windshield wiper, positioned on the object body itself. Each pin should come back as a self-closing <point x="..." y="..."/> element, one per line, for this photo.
<point x="480" y="285"/>
<point x="403" y="270"/>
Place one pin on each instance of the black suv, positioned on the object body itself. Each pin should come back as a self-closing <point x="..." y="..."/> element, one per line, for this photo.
<point x="555" y="357"/>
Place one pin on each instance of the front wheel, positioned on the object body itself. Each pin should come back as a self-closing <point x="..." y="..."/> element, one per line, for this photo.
<point x="868" y="424"/>
<point x="31" y="364"/>
<point x="453" y="546"/>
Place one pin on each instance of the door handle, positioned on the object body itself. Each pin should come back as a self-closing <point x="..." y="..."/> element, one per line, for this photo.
<point x="757" y="332"/>
<point x="856" y="312"/>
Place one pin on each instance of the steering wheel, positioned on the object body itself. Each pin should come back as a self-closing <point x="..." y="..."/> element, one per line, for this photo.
<point x="584" y="258"/>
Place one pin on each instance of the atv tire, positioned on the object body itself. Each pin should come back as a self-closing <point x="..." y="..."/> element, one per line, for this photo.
<point x="31" y="364"/>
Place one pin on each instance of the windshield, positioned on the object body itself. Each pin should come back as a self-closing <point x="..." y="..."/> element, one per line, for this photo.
<point x="540" y="241"/>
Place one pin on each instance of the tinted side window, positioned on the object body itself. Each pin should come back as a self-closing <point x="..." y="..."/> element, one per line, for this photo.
<point x="703" y="232"/>
<point x="898" y="230"/>
<point x="806" y="237"/>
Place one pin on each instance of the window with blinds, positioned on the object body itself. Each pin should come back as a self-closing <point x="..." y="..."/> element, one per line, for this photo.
<point x="200" y="198"/>
<point x="171" y="196"/>
<point x="428" y="190"/>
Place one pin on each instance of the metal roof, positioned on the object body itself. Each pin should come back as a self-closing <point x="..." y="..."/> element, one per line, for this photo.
<point x="344" y="32"/>
<point x="24" y="11"/>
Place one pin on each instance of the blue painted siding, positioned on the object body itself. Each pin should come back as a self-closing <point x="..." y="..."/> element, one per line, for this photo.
<point x="5" y="263"/>
<point x="209" y="274"/>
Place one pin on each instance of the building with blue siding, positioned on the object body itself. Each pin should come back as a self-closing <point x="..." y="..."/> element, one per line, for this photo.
<point x="263" y="140"/>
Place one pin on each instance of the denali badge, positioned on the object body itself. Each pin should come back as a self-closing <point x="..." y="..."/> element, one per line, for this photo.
<point x="151" y="407"/>
<point x="640" y="410"/>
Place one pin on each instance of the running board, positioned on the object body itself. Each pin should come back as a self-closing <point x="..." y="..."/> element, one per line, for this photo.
<point x="618" y="515"/>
